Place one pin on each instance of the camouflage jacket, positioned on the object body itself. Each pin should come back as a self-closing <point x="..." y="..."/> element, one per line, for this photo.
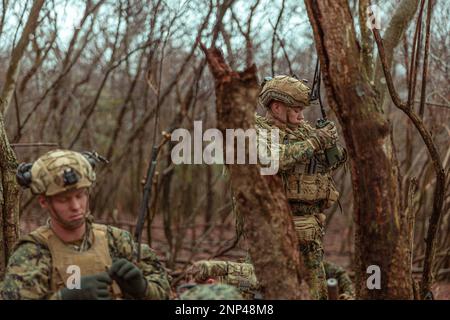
<point x="28" y="272"/>
<point x="304" y="168"/>
<point x="345" y="284"/>
<point x="293" y="145"/>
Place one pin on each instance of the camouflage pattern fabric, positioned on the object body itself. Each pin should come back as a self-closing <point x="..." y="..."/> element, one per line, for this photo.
<point x="29" y="268"/>
<point x="291" y="91"/>
<point x="308" y="193"/>
<point x="295" y="146"/>
<point x="312" y="254"/>
<point x="201" y="271"/>
<point x="212" y="292"/>
<point x="289" y="154"/>
<point x="240" y="275"/>
<point x="346" y="289"/>
<point x="47" y="172"/>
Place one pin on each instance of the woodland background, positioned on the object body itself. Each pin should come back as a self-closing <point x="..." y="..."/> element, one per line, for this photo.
<point x="100" y="75"/>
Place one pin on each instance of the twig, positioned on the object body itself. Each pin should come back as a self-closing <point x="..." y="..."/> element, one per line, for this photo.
<point x="34" y="144"/>
<point x="291" y="73"/>
<point x="433" y="104"/>
<point x="425" y="60"/>
<point x="272" y="49"/>
<point x="222" y="251"/>
<point x="415" y="57"/>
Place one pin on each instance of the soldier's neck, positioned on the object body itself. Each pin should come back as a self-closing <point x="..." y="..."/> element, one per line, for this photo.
<point x="68" y="235"/>
<point x="280" y="124"/>
<point x="275" y="121"/>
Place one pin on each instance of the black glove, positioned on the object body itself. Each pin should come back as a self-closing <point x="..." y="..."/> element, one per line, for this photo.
<point x="129" y="278"/>
<point x="94" y="287"/>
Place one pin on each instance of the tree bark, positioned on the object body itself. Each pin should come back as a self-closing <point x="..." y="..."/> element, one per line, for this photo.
<point x="9" y="199"/>
<point x="382" y="229"/>
<point x="260" y="199"/>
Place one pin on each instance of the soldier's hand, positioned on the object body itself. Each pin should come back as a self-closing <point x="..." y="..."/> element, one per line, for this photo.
<point x="93" y="287"/>
<point x="327" y="136"/>
<point x="129" y="278"/>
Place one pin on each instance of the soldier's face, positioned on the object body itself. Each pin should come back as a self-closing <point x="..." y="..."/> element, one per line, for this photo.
<point x="295" y="115"/>
<point x="67" y="208"/>
<point x="289" y="115"/>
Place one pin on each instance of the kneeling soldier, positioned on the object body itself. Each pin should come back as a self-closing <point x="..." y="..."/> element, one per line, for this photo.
<point x="46" y="260"/>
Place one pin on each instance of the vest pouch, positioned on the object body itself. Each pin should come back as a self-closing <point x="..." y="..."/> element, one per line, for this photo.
<point x="306" y="188"/>
<point x="333" y="195"/>
<point x="311" y="188"/>
<point x="308" y="229"/>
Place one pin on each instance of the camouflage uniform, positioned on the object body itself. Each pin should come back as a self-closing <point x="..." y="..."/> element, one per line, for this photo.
<point x="346" y="289"/>
<point x="242" y="276"/>
<point x="239" y="275"/>
<point x="305" y="174"/>
<point x="38" y="267"/>
<point x="29" y="269"/>
<point x="211" y="292"/>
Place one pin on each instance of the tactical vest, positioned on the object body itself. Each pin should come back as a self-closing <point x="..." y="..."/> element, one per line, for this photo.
<point x="94" y="260"/>
<point x="239" y="275"/>
<point x="310" y="188"/>
<point x="308" y="181"/>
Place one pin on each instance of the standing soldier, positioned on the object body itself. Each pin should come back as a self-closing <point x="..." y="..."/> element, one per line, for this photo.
<point x="45" y="262"/>
<point x="303" y="167"/>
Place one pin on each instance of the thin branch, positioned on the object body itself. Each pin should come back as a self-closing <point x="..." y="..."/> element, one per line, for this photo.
<point x="283" y="49"/>
<point x="34" y="144"/>
<point x="272" y="49"/>
<point x="425" y="60"/>
<point x="2" y="19"/>
<point x="415" y="57"/>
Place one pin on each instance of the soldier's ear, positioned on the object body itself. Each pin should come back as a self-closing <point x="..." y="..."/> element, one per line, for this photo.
<point x="43" y="202"/>
<point x="276" y="107"/>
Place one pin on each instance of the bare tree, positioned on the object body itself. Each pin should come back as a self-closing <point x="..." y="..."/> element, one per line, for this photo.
<point x="383" y="224"/>
<point x="260" y="200"/>
<point x="9" y="190"/>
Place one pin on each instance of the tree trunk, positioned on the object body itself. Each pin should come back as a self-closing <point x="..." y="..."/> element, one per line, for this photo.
<point x="260" y="199"/>
<point x="382" y="229"/>
<point x="9" y="199"/>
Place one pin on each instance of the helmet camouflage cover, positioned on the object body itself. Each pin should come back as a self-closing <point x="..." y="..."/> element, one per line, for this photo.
<point x="239" y="275"/>
<point x="289" y="90"/>
<point x="212" y="292"/>
<point x="61" y="170"/>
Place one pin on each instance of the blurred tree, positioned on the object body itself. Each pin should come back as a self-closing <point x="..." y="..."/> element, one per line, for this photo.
<point x="9" y="190"/>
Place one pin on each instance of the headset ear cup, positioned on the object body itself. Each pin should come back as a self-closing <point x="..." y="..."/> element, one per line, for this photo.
<point x="93" y="158"/>
<point x="23" y="175"/>
<point x="90" y="157"/>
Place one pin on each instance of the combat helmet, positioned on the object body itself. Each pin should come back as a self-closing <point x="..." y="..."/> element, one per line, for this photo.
<point x="57" y="171"/>
<point x="289" y="90"/>
<point x="212" y="292"/>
